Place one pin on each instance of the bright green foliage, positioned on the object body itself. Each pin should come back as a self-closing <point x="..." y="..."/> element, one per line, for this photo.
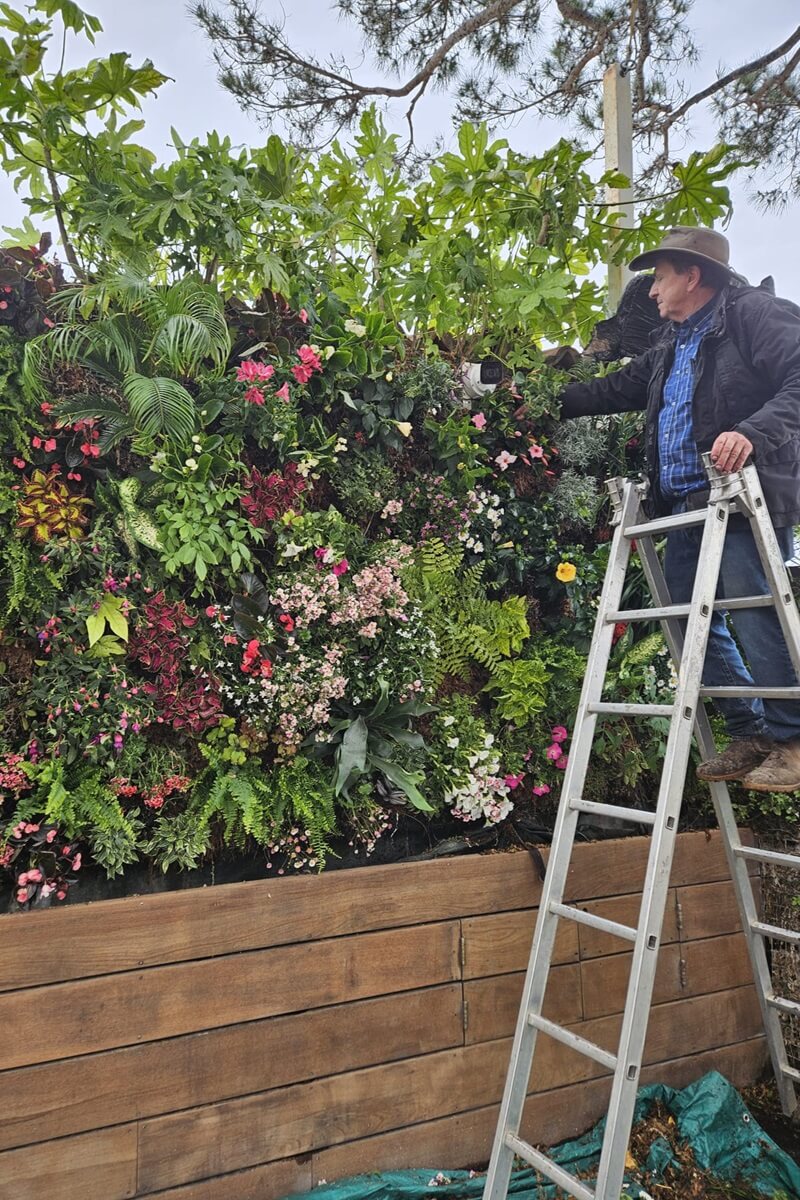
<point x="126" y="333"/>
<point x="519" y="688"/>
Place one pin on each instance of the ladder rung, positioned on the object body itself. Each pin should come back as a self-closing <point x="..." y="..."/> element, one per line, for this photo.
<point x="782" y="1004"/>
<point x="631" y="710"/>
<point x="549" y="1168"/>
<point x="775" y="931"/>
<point x="594" y="922"/>
<point x="791" y="1073"/>
<point x="682" y="610"/>
<point x="574" y="1041"/>
<point x="762" y="693"/>
<point x="665" y="524"/>
<point x="616" y="811"/>
<point x="773" y="857"/>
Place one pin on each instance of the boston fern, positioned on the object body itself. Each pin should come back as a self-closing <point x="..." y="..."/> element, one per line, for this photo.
<point x="137" y="343"/>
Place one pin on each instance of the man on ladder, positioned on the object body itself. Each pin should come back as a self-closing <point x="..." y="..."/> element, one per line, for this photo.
<point x="724" y="377"/>
<point x="720" y="387"/>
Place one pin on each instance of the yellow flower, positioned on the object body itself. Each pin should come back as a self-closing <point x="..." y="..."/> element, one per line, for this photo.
<point x="566" y="572"/>
<point x="404" y="427"/>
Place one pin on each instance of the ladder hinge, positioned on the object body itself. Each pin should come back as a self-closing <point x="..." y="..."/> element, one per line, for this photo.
<point x="465" y="1016"/>
<point x="679" y="916"/>
<point x="683" y="973"/>
<point x="462" y="952"/>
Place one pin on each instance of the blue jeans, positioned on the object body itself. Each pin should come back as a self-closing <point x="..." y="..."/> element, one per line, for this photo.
<point x="757" y="629"/>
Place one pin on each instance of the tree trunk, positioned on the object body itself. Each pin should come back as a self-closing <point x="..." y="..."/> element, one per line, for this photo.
<point x="55" y="192"/>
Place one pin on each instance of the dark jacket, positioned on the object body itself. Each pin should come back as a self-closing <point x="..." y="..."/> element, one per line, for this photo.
<point x="747" y="378"/>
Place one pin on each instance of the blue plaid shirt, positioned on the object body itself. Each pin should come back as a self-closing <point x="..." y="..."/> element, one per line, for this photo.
<point x="681" y="468"/>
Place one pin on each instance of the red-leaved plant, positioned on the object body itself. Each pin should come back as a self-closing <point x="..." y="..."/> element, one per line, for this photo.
<point x="270" y="496"/>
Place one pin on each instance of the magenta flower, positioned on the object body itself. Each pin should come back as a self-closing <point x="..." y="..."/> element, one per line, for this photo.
<point x="479" y="421"/>
<point x="541" y="789"/>
<point x="254" y="395"/>
<point x="250" y="371"/>
<point x="513" y="781"/>
<point x="303" y="315"/>
<point x="553" y="752"/>
<point x="558" y="733"/>
<point x="341" y="566"/>
<point x="283" y="394"/>
<point x="561" y="763"/>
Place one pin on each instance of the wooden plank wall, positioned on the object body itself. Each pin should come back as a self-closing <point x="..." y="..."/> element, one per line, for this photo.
<point x="253" y="1039"/>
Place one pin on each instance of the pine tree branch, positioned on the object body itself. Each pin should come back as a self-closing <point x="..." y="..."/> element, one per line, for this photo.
<point x="758" y="64"/>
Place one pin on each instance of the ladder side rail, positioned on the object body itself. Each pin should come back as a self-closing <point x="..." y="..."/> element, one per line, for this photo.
<point x="773" y="564"/>
<point x="524" y="1044"/>
<point x="743" y="887"/>
<point x="645" y="956"/>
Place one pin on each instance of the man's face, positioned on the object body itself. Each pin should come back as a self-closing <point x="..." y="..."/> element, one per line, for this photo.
<point x="674" y="293"/>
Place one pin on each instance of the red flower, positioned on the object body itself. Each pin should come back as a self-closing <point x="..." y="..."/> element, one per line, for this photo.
<point x="287" y="622"/>
<point x="254" y="396"/>
<point x="50" y="445"/>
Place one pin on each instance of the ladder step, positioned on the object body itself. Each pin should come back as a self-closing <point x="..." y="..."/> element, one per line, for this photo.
<point x="637" y="815"/>
<point x="682" y="610"/>
<point x="631" y="710"/>
<point x="594" y="922"/>
<point x="574" y="1041"/>
<point x="775" y="931"/>
<point x="791" y="1073"/>
<point x="763" y="693"/>
<point x="772" y="857"/>
<point x="547" y="1167"/>
<point x="665" y="524"/>
<point x="782" y="1004"/>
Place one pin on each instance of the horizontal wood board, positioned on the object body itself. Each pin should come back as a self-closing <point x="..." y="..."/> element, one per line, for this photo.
<point x="252" y="1039"/>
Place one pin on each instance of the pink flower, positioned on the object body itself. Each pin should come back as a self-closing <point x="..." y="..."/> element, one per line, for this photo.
<point x="302" y="372"/>
<point x="513" y="781"/>
<point x="76" y="862"/>
<point x="341" y="566"/>
<point x="23" y="879"/>
<point x="51" y="835"/>
<point x="310" y="358"/>
<point x="553" y="752"/>
<point x="558" y="733"/>
<point x="283" y="394"/>
<point x="541" y="789"/>
<point x="22" y="896"/>
<point x="34" y="876"/>
<point x="48" y="322"/>
<point x="254" y="396"/>
<point x="479" y="421"/>
<point x="211" y="611"/>
<point x="50" y="445"/>
<point x="62" y="895"/>
<point x="48" y="888"/>
<point x="250" y="371"/>
<point x="504" y="460"/>
<point x="561" y="763"/>
<point x="536" y="451"/>
<point x="303" y="315"/>
<point x="36" y="442"/>
<point x="20" y="463"/>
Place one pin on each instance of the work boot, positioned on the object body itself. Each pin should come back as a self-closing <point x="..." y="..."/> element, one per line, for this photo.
<point x="780" y="770"/>
<point x="739" y="756"/>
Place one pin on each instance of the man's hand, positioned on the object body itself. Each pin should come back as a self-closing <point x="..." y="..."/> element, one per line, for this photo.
<point x="731" y="451"/>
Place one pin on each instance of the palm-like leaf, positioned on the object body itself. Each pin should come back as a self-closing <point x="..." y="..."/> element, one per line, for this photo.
<point x="160" y="405"/>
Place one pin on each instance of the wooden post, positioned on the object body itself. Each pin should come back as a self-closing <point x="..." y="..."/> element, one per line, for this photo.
<point x="617" y="120"/>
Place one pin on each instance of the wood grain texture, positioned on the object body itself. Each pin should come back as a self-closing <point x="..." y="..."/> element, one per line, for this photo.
<point x="101" y="1164"/>
<point x="225" y="1137"/>
<point x="492" y="1004"/>
<point x="123" y="935"/>
<point x="502" y="942"/>
<point x="55" y="1099"/>
<point x="465" y="1139"/>
<point x="270" y="1181"/>
<point x="119" y="1010"/>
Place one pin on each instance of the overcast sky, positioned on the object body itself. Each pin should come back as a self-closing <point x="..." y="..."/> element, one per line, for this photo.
<point x="195" y="103"/>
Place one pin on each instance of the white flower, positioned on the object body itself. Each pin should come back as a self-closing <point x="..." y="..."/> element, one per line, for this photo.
<point x="453" y="742"/>
<point x="504" y="459"/>
<point x="355" y="328"/>
<point x="448" y="721"/>
<point x="191" y="464"/>
<point x="329" y="352"/>
<point x="291" y="550"/>
<point x="478" y="547"/>
<point x="341" y="446"/>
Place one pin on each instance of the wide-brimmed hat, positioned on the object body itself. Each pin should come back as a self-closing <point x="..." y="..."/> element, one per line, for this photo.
<point x="691" y="242"/>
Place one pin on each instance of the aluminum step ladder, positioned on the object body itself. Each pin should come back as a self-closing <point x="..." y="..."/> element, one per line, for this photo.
<point x="736" y="492"/>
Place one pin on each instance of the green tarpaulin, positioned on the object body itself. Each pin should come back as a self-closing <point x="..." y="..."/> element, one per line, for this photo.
<point x="710" y="1115"/>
